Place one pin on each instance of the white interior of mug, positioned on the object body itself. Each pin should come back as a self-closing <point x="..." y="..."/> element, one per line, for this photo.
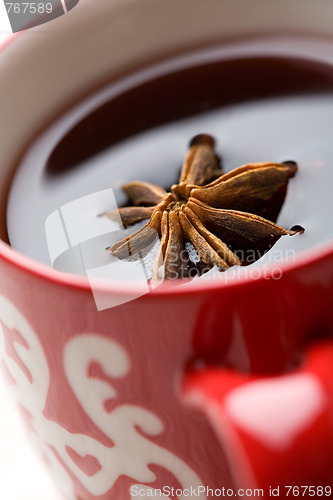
<point x="48" y="68"/>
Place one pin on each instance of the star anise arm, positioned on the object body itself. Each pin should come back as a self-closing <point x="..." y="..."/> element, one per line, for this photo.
<point x="291" y="165"/>
<point x="144" y="193"/>
<point x="221" y="248"/>
<point x="139" y="242"/>
<point x="159" y="259"/>
<point x="144" y="196"/>
<point x="175" y="258"/>
<point x="256" y="188"/>
<point x="206" y="253"/>
<point x="131" y="215"/>
<point x="201" y="164"/>
<point x="241" y="230"/>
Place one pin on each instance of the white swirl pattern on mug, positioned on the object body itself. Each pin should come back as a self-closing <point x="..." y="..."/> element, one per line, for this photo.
<point x="132" y="451"/>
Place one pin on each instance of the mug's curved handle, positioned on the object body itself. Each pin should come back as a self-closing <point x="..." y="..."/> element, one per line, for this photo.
<point x="277" y="430"/>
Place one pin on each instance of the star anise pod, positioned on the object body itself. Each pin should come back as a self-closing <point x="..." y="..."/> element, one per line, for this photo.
<point x="222" y="216"/>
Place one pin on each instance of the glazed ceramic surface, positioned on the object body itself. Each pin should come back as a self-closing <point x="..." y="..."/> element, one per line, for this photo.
<point x="205" y="387"/>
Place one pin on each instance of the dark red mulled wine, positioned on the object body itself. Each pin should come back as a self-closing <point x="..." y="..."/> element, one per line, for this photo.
<point x="261" y="103"/>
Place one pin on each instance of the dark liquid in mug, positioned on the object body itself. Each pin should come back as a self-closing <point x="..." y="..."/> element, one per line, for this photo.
<point x="270" y="107"/>
<point x="183" y="94"/>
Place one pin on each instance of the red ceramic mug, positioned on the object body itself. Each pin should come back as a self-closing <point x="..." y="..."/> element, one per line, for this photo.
<point x="217" y="389"/>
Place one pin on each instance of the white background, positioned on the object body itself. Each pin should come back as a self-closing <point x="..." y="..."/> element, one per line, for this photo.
<point x="22" y="475"/>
